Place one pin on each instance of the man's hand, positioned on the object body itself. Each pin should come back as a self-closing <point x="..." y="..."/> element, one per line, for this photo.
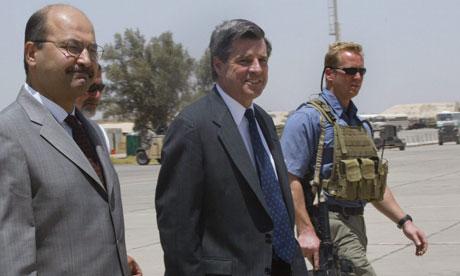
<point x="417" y="236"/>
<point x="307" y="238"/>
<point x="134" y="268"/>
<point x="310" y="243"/>
<point x="390" y="208"/>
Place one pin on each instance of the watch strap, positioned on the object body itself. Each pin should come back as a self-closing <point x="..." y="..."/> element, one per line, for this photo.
<point x="403" y="220"/>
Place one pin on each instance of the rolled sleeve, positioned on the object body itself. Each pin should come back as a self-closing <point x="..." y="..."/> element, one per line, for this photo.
<point x="300" y="140"/>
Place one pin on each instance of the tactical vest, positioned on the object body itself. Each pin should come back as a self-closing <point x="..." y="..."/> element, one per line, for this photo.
<point x="357" y="172"/>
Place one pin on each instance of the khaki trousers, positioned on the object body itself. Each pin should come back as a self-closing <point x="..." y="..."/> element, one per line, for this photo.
<point x="350" y="234"/>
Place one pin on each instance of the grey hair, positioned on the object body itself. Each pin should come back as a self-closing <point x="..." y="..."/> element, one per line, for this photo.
<point x="226" y="33"/>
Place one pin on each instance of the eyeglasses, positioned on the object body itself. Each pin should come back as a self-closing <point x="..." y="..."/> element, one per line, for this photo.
<point x="75" y="47"/>
<point x="351" y="70"/>
<point x="96" y="87"/>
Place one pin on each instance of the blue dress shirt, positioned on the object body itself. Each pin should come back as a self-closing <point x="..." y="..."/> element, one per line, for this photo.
<point x="301" y="136"/>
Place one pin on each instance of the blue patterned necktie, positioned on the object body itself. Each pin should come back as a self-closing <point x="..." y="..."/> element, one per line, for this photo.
<point x="283" y="236"/>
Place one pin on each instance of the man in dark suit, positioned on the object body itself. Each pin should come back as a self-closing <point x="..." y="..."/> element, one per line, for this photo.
<point x="60" y="203"/>
<point x="223" y="201"/>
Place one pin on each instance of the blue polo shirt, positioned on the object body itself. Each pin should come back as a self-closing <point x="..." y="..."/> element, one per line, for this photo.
<point x="301" y="137"/>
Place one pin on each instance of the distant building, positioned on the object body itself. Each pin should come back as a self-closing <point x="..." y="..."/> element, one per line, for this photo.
<point x="126" y="127"/>
<point x="117" y="131"/>
<point x="422" y="114"/>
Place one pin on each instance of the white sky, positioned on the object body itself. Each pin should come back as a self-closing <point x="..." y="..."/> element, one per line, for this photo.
<point x="411" y="47"/>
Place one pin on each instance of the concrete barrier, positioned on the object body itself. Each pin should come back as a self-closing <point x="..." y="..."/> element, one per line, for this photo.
<point x="417" y="137"/>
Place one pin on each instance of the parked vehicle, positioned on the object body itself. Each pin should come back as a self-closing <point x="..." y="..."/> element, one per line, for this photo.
<point x="448" y="133"/>
<point x="448" y="118"/>
<point x="416" y="123"/>
<point x="401" y="121"/>
<point x="143" y="156"/>
<point x="388" y="138"/>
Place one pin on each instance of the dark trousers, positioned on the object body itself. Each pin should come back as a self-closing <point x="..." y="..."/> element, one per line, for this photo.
<point x="280" y="268"/>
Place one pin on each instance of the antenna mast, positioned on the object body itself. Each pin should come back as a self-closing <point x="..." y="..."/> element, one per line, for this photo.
<point x="333" y="20"/>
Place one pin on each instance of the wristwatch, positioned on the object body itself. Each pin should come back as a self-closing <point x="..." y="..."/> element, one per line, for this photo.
<point x="403" y="220"/>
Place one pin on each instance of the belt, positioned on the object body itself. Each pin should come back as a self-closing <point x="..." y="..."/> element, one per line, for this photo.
<point x="346" y="211"/>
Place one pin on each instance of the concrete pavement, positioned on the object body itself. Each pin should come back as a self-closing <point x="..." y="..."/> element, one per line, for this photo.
<point x="425" y="181"/>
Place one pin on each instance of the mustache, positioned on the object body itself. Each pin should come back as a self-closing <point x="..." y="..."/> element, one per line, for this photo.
<point x="91" y="101"/>
<point x="81" y="69"/>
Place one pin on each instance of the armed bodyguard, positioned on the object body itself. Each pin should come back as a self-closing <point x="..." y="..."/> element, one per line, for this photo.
<point x="333" y="164"/>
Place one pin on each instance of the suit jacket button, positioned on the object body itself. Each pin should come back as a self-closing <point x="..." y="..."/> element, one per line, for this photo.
<point x="268" y="271"/>
<point x="268" y="238"/>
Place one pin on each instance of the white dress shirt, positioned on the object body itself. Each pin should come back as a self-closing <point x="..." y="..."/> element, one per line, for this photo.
<point x="237" y="111"/>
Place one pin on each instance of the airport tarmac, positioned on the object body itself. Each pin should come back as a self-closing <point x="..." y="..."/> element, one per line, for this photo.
<point x="425" y="181"/>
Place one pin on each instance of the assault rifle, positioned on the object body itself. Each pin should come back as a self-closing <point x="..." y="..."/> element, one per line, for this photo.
<point x="329" y="262"/>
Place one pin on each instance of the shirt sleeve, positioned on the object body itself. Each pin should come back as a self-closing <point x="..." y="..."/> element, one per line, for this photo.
<point x="300" y="139"/>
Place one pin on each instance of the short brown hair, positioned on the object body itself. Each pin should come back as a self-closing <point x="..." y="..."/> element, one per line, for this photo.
<point x="333" y="54"/>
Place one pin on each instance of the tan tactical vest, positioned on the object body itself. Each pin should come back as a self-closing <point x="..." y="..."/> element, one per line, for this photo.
<point x="357" y="172"/>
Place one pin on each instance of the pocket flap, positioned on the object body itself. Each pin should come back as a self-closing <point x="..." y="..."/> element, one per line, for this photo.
<point x="219" y="266"/>
<point x="351" y="169"/>
<point x="368" y="168"/>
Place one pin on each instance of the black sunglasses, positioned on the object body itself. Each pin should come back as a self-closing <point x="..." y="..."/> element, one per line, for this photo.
<point x="94" y="87"/>
<point x="351" y="70"/>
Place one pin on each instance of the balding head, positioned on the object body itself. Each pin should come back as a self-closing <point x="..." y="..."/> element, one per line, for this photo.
<point x="59" y="53"/>
<point x="36" y="28"/>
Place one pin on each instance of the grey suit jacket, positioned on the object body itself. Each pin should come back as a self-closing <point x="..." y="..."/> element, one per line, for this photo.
<point x="56" y="217"/>
<point x="211" y="212"/>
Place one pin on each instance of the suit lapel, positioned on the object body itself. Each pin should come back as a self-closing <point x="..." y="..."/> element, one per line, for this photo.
<point x="231" y="139"/>
<point x="55" y="134"/>
<point x="101" y="153"/>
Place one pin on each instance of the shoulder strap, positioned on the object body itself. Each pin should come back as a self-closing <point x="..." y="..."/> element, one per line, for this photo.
<point x="324" y="111"/>
<point x="317" y="188"/>
<point x="323" y="108"/>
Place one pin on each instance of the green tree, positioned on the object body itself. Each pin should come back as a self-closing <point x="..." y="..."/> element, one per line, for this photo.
<point x="146" y="81"/>
<point x="203" y="80"/>
<point x="203" y="75"/>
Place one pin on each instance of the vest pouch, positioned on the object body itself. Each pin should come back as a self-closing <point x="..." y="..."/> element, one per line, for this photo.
<point x="349" y="178"/>
<point x="368" y="185"/>
<point x="382" y="178"/>
<point x="330" y="186"/>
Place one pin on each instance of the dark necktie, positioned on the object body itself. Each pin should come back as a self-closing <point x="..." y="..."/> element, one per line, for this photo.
<point x="79" y="135"/>
<point x="283" y="236"/>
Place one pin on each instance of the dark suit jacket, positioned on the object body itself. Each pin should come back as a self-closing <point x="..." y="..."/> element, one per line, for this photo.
<point x="211" y="212"/>
<point x="56" y="218"/>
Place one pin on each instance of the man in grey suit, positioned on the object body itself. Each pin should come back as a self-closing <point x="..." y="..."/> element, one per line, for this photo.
<point x="60" y="205"/>
<point x="223" y="201"/>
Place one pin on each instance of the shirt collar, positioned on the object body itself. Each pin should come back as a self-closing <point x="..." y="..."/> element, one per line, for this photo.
<point x="337" y="106"/>
<point x="57" y="111"/>
<point x="236" y="109"/>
